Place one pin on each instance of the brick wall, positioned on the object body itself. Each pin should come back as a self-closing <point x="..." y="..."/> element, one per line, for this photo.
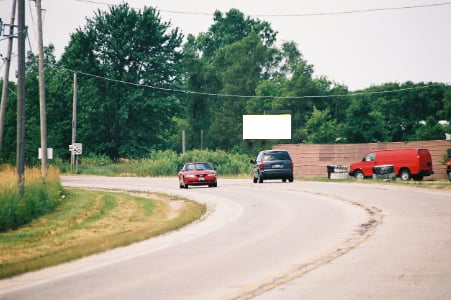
<point x="311" y="160"/>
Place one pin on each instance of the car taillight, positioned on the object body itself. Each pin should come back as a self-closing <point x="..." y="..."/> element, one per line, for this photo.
<point x="291" y="164"/>
<point x="261" y="165"/>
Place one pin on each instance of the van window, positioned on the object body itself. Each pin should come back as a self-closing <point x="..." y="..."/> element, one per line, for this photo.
<point x="370" y="157"/>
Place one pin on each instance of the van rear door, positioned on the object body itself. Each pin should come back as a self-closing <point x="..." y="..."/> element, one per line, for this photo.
<point x="425" y="160"/>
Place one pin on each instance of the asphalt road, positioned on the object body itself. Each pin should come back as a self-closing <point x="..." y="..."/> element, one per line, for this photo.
<point x="301" y="240"/>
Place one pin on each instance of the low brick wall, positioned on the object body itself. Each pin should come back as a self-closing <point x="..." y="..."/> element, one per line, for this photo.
<point x="311" y="160"/>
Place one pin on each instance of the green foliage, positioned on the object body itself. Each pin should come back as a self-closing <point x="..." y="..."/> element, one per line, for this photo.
<point x="432" y="130"/>
<point x="321" y="128"/>
<point x="166" y="163"/>
<point x="41" y="197"/>
<point x="127" y="107"/>
<point x="125" y="45"/>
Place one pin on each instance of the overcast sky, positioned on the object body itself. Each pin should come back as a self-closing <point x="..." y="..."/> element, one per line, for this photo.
<point x="357" y="49"/>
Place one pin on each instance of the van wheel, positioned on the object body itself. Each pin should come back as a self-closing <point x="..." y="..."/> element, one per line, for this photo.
<point x="260" y="178"/>
<point x="359" y="175"/>
<point x="404" y="174"/>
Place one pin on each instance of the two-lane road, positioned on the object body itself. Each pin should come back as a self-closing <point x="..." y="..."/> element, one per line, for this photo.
<point x="269" y="241"/>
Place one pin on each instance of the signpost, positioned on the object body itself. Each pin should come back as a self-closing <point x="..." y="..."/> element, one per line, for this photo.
<point x="76" y="149"/>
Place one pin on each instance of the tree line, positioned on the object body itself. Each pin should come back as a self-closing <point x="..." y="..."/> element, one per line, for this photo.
<point x="140" y="83"/>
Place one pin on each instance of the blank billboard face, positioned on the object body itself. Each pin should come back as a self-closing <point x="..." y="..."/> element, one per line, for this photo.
<point x="267" y="127"/>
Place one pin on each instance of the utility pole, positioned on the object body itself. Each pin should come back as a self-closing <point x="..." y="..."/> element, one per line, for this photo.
<point x="201" y="139"/>
<point x="42" y="104"/>
<point x="183" y="142"/>
<point x="20" y="153"/>
<point x="6" y="76"/>
<point x="74" y="123"/>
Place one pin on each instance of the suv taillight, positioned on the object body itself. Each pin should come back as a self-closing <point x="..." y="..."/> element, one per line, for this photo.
<point x="261" y="165"/>
<point x="291" y="164"/>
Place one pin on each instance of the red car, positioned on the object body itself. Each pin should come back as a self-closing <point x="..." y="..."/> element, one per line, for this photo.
<point x="197" y="173"/>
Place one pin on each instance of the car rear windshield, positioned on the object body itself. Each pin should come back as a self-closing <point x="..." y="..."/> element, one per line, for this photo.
<point x="276" y="156"/>
<point x="198" y="167"/>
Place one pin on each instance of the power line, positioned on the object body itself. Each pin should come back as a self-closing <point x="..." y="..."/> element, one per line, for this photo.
<point x="356" y="11"/>
<point x="312" y="14"/>
<point x="179" y="91"/>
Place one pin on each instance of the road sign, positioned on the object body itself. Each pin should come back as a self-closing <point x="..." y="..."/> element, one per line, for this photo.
<point x="76" y="148"/>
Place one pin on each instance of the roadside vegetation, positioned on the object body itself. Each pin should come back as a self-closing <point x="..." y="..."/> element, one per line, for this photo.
<point x="88" y="222"/>
<point x="42" y="195"/>
<point x="162" y="163"/>
<point x="427" y="183"/>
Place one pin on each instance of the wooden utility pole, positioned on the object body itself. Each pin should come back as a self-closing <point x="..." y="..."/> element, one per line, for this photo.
<point x="20" y="153"/>
<point x="74" y="123"/>
<point x="6" y="76"/>
<point x="42" y="104"/>
<point x="201" y="139"/>
<point x="183" y="142"/>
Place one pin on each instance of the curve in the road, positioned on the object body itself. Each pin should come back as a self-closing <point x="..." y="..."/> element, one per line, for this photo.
<point x="375" y="218"/>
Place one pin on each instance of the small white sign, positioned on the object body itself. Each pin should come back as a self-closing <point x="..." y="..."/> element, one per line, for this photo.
<point x="76" y="148"/>
<point x="49" y="153"/>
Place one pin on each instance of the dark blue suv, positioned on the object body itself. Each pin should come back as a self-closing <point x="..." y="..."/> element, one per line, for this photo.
<point x="272" y="164"/>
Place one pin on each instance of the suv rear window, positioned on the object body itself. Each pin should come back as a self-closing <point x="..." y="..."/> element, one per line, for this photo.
<point x="276" y="156"/>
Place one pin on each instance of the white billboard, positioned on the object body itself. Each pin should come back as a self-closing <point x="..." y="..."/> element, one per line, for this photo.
<point x="267" y="127"/>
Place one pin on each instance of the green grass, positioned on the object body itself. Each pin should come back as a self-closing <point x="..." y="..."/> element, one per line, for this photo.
<point x="42" y="195"/>
<point x="162" y="163"/>
<point x="89" y="222"/>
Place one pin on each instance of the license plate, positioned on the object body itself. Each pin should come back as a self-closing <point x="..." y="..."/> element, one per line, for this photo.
<point x="277" y="166"/>
<point x="201" y="179"/>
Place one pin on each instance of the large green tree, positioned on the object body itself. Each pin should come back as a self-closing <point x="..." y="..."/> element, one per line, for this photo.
<point x="132" y="58"/>
<point x="231" y="58"/>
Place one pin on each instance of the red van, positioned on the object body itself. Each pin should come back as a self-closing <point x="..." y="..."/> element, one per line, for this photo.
<point x="408" y="163"/>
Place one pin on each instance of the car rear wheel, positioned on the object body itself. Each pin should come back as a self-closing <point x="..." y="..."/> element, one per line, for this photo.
<point x="255" y="179"/>
<point x="260" y="178"/>
<point x="404" y="174"/>
<point x="449" y="175"/>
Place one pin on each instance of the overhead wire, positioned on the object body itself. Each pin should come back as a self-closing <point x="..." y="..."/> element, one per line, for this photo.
<point x="309" y="14"/>
<point x="180" y="91"/>
<point x="263" y="15"/>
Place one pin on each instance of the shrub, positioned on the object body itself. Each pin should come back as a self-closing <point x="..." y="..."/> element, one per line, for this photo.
<point x="164" y="163"/>
<point x="42" y="195"/>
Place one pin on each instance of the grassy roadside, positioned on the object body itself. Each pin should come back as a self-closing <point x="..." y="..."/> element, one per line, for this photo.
<point x="88" y="222"/>
<point x="430" y="184"/>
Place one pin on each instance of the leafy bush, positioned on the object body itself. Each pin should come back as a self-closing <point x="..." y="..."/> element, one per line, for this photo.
<point x="42" y="195"/>
<point x="165" y="163"/>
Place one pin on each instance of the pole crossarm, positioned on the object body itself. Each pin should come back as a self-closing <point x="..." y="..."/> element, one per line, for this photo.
<point x="11" y="33"/>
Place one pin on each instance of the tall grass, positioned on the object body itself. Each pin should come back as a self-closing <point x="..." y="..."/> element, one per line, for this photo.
<point x="165" y="163"/>
<point x="42" y="195"/>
